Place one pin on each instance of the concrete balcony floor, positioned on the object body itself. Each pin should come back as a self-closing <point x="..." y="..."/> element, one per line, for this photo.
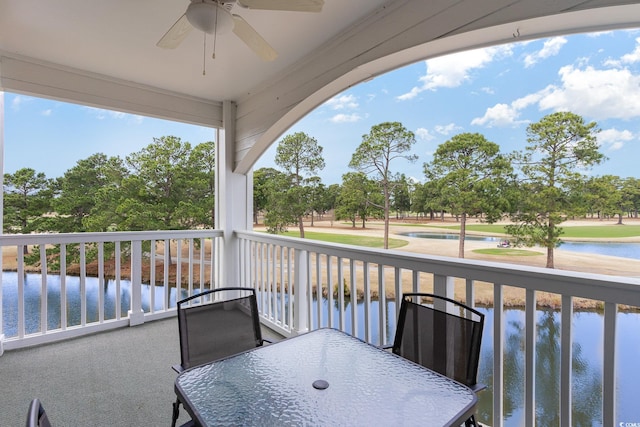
<point x="121" y="377"/>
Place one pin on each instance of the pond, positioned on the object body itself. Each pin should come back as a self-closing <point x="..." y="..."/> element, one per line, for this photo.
<point x="32" y="287"/>
<point x="625" y="250"/>
<point x="587" y="346"/>
<point x="587" y="364"/>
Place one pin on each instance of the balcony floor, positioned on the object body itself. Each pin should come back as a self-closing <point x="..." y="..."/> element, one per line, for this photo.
<point x="121" y="377"/>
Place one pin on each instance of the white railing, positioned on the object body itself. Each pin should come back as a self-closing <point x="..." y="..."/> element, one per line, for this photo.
<point x="288" y="272"/>
<point x="147" y="292"/>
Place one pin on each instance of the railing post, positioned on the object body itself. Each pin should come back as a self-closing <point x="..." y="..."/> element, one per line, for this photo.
<point x="443" y="285"/>
<point x="1" y="256"/>
<point x="1" y="216"/>
<point x="498" y="355"/>
<point x="530" y="359"/>
<point x="136" y="314"/>
<point x="301" y="313"/>
<point x="609" y="364"/>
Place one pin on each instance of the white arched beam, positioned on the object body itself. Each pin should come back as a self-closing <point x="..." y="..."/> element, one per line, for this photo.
<point x="400" y="34"/>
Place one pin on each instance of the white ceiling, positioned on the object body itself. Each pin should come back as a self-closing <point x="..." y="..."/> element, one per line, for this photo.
<point x="103" y="53"/>
<point x="118" y="38"/>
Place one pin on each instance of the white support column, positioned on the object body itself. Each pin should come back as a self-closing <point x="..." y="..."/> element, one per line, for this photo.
<point x="136" y="314"/>
<point x="530" y="359"/>
<point x="234" y="192"/>
<point x="301" y="285"/>
<point x="1" y="209"/>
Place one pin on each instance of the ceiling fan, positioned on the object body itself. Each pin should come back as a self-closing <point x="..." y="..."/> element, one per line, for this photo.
<point x="215" y="17"/>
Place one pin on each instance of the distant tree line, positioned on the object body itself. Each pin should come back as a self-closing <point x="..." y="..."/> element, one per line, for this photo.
<point x="537" y="188"/>
<point x="170" y="185"/>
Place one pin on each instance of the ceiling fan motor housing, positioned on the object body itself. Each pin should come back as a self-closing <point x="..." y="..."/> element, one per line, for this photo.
<point x="210" y="17"/>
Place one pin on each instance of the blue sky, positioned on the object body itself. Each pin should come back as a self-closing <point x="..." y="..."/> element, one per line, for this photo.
<point x="496" y="91"/>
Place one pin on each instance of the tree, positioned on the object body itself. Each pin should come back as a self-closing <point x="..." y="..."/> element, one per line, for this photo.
<point x="316" y="192"/>
<point x="385" y="143"/>
<point x="418" y="199"/>
<point x="558" y="147"/>
<point x="400" y="196"/>
<point x="358" y="197"/>
<point x="331" y="197"/>
<point x="631" y="196"/>
<point x="79" y="186"/>
<point x="164" y="190"/>
<point x="278" y="212"/>
<point x="27" y="196"/>
<point x="601" y="195"/>
<point x="299" y="154"/>
<point x="470" y="172"/>
<point x="202" y="189"/>
<point x="261" y="179"/>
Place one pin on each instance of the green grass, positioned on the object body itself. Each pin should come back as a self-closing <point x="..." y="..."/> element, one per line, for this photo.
<point x="506" y="251"/>
<point x="349" y="239"/>
<point x="583" y="231"/>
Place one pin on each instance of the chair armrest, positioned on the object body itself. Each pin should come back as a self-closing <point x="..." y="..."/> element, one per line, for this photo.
<point x="177" y="368"/>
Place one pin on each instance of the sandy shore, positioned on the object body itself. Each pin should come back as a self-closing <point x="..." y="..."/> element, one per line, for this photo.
<point x="564" y="260"/>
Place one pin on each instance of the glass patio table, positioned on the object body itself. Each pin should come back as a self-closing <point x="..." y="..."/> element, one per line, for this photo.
<point x="324" y="377"/>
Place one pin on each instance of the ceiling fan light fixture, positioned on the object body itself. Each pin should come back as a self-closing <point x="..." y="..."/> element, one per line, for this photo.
<point x="203" y="17"/>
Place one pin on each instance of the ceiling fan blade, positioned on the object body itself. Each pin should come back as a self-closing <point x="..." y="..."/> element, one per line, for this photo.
<point x="252" y="39"/>
<point x="290" y="5"/>
<point x="176" y="34"/>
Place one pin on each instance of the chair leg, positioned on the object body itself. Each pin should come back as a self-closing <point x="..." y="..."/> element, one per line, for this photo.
<point x="176" y="412"/>
<point x="471" y="421"/>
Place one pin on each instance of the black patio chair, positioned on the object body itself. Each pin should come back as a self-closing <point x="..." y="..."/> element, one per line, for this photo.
<point x="215" y="324"/>
<point x="444" y="336"/>
<point x="37" y="417"/>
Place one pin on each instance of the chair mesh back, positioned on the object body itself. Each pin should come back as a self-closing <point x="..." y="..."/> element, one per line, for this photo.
<point x="439" y="340"/>
<point x="37" y="417"/>
<point x="217" y="329"/>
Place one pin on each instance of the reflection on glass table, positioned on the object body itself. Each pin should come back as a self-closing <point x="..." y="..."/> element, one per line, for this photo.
<point x="324" y="377"/>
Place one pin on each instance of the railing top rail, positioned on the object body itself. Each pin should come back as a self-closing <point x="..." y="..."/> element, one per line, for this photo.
<point x="616" y="289"/>
<point x="113" y="236"/>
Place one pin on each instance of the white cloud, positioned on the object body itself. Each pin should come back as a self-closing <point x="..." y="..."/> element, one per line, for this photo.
<point x="19" y="100"/>
<point x="589" y="92"/>
<point x="447" y="129"/>
<point x="101" y="114"/>
<point x="598" y="94"/>
<point x="346" y="118"/>
<point x="47" y="112"/>
<point x="504" y="115"/>
<point x="453" y="70"/>
<point x="633" y="57"/>
<point x="342" y="102"/>
<point x="614" y="139"/>
<point x="551" y="47"/>
<point x="410" y="95"/>
<point x="424" y="134"/>
<point x="500" y="115"/>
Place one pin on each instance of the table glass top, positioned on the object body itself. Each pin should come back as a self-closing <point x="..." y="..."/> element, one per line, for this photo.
<point x="359" y="385"/>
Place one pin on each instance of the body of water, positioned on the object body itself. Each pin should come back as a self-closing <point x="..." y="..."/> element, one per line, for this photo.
<point x="624" y="250"/>
<point x="587" y="345"/>
<point x="587" y="363"/>
<point x="115" y="298"/>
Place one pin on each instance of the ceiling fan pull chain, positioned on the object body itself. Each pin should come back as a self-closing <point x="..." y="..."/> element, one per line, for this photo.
<point x="215" y="33"/>
<point x="204" y="54"/>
